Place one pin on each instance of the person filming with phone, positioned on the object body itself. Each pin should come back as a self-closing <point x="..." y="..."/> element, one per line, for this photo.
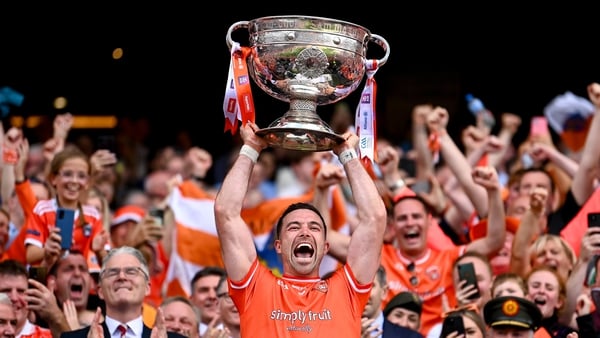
<point x="63" y="223"/>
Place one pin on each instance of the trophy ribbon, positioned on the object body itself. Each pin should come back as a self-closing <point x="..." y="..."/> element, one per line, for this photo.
<point x="365" y="117"/>
<point x="238" y="103"/>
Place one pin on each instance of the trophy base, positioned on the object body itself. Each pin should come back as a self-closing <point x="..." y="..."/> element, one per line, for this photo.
<point x="299" y="135"/>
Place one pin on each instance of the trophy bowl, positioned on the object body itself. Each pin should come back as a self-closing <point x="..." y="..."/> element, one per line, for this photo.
<point x="307" y="61"/>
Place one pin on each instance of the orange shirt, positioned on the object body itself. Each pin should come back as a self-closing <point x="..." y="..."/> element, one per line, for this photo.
<point x="155" y="297"/>
<point x="43" y="219"/>
<point x="270" y="306"/>
<point x="27" y="199"/>
<point x="31" y="330"/>
<point x="433" y="275"/>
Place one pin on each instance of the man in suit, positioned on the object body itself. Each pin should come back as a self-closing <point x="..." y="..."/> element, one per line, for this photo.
<point x="124" y="282"/>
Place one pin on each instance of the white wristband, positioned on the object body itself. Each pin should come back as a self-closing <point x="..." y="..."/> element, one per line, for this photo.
<point x="347" y="155"/>
<point x="249" y="152"/>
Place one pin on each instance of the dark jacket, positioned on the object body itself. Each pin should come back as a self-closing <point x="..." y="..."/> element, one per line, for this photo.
<point x="82" y="333"/>
<point x="391" y="330"/>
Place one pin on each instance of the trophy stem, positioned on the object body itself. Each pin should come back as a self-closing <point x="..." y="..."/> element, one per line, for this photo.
<point x="300" y="128"/>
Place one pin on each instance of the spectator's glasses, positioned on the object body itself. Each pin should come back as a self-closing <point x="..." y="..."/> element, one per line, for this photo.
<point x="129" y="271"/>
<point x="224" y="296"/>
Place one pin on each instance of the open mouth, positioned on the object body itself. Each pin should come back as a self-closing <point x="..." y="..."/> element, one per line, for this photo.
<point x="539" y="301"/>
<point x="412" y="234"/>
<point x="76" y="290"/>
<point x="304" y="250"/>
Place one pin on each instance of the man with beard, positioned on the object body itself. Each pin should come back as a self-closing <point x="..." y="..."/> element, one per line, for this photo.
<point x="299" y="303"/>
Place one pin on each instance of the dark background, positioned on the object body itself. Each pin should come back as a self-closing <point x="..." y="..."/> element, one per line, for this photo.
<point x="175" y="61"/>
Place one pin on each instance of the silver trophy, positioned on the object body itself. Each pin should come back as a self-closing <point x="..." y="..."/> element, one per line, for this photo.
<point x="306" y="61"/>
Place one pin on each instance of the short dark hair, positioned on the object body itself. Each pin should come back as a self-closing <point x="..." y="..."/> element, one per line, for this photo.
<point x="538" y="170"/>
<point x="298" y="206"/>
<point x="54" y="268"/>
<point x="11" y="267"/>
<point x="207" y="271"/>
<point x="415" y="198"/>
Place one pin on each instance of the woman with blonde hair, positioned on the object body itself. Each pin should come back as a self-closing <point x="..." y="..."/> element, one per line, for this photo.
<point x="553" y="251"/>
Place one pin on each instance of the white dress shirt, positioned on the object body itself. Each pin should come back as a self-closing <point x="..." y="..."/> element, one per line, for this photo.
<point x="134" y="327"/>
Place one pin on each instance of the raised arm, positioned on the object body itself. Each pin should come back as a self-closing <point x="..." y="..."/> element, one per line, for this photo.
<point x="328" y="176"/>
<point x="237" y="245"/>
<point x="541" y="152"/>
<point x="456" y="160"/>
<point x="424" y="160"/>
<point x="576" y="280"/>
<point x="364" y="252"/>
<point x="487" y="177"/>
<point x="510" y="126"/>
<point x="583" y="181"/>
<point x="532" y="225"/>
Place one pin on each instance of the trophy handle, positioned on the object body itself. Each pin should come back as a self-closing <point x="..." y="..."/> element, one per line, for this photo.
<point x="378" y="39"/>
<point x="234" y="27"/>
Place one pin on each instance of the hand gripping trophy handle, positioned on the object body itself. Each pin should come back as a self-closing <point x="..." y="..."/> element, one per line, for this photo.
<point x="306" y="61"/>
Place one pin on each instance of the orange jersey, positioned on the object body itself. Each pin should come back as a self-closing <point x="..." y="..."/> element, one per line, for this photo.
<point x="273" y="306"/>
<point x="27" y="199"/>
<point x="31" y="330"/>
<point x="431" y="278"/>
<point x="43" y="219"/>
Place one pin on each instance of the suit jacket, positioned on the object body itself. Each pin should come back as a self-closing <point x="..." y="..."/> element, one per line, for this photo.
<point x="83" y="332"/>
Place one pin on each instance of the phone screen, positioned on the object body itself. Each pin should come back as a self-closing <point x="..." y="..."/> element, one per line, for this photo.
<point x="453" y="323"/>
<point x="64" y="221"/>
<point x="539" y="126"/>
<point x="466" y="271"/>
<point x="593" y="219"/>
<point x="158" y="215"/>
<point x="421" y="187"/>
<point x="38" y="273"/>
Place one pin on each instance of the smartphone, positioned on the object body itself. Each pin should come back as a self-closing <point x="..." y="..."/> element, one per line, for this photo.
<point x="466" y="271"/>
<point x="539" y="126"/>
<point x="38" y="273"/>
<point x="107" y="142"/>
<point x="593" y="219"/>
<point x="453" y="323"/>
<point x="64" y="221"/>
<point x="158" y="214"/>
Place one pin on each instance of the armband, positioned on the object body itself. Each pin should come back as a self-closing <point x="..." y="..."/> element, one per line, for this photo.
<point x="347" y="155"/>
<point x="249" y="152"/>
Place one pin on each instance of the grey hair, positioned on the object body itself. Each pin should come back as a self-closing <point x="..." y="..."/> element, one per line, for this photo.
<point x="128" y="251"/>
<point x="5" y="299"/>
<point x="174" y="299"/>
